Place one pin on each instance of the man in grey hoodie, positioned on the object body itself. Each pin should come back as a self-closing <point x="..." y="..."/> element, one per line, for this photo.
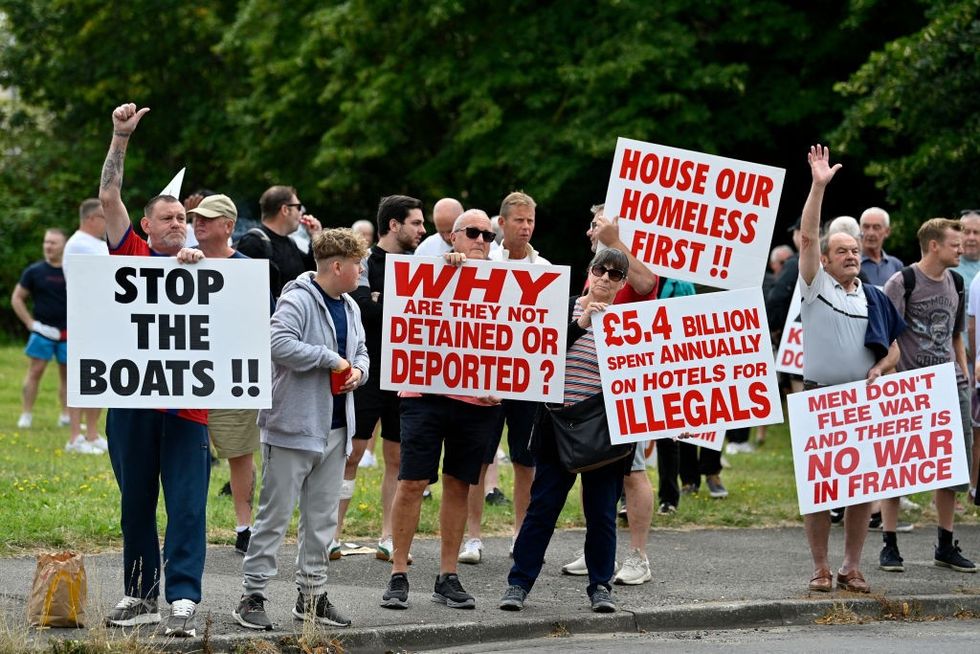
<point x="306" y="435"/>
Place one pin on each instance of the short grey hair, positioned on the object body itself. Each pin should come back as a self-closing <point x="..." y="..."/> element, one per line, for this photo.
<point x="845" y="224"/>
<point x="877" y="210"/>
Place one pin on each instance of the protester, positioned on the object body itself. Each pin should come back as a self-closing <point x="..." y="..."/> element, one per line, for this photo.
<point x="463" y="426"/>
<point x="444" y="215"/>
<point x="150" y="447"/>
<point x="282" y="214"/>
<point x="777" y="258"/>
<point x="233" y="432"/>
<point x="838" y="314"/>
<point x="306" y="435"/>
<point x="89" y="239"/>
<point x="43" y="282"/>
<point x="641" y="284"/>
<point x="602" y="486"/>
<point x="876" y="265"/>
<point x="517" y="222"/>
<point x="400" y="228"/>
<point x="930" y="296"/>
<point x="366" y="230"/>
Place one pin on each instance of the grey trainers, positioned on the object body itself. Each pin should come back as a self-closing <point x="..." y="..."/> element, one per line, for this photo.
<point x="132" y="611"/>
<point x="450" y="592"/>
<point x="251" y="613"/>
<point x="396" y="595"/>
<point x="320" y="610"/>
<point x="716" y="489"/>
<point x="182" y="622"/>
<point x="602" y="600"/>
<point x="635" y="570"/>
<point x="513" y="599"/>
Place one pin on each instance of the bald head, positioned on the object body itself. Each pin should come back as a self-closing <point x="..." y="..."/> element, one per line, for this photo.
<point x="474" y="246"/>
<point x="444" y="215"/>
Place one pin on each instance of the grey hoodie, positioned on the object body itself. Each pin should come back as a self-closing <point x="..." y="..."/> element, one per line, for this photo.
<point x="304" y="349"/>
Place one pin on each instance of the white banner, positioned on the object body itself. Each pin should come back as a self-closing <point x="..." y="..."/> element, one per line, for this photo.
<point x="789" y="356"/>
<point x="483" y="328"/>
<point x="694" y="216"/>
<point x="672" y="367"/>
<point x="857" y="442"/>
<point x="148" y="332"/>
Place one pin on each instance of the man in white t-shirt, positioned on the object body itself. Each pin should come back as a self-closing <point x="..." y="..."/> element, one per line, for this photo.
<point x="88" y="240"/>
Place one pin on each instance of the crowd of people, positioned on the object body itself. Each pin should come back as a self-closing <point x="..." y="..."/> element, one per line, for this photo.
<point x="326" y="306"/>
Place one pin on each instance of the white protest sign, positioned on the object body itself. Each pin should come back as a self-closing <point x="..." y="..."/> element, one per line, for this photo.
<point x="687" y="365"/>
<point x="789" y="355"/>
<point x="483" y="328"/>
<point x="148" y="332"/>
<point x="855" y="443"/>
<point x="713" y="440"/>
<point x="694" y="216"/>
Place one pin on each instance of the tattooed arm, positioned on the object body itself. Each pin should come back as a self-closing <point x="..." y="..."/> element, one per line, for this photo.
<point x="125" y="117"/>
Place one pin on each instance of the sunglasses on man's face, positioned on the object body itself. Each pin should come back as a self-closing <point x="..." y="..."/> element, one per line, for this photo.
<point x="615" y="275"/>
<point x="475" y="233"/>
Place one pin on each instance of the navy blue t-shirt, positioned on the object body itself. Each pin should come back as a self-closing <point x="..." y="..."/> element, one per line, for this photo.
<point x="338" y="313"/>
<point x="46" y="284"/>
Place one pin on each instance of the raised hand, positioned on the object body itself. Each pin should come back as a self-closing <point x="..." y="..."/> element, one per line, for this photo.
<point x="125" y="118"/>
<point x="820" y="168"/>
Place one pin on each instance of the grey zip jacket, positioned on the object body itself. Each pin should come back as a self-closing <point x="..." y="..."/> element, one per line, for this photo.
<point x="304" y="349"/>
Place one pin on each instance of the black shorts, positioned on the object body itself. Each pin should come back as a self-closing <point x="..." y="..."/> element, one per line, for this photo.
<point x="372" y="404"/>
<point x="430" y="421"/>
<point x="519" y="416"/>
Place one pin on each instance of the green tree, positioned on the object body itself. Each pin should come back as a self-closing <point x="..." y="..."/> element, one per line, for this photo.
<point x="913" y="116"/>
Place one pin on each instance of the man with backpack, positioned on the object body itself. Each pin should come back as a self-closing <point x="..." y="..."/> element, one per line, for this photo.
<point x="931" y="299"/>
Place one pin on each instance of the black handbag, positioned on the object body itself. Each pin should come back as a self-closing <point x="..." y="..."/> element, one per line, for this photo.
<point x="582" y="435"/>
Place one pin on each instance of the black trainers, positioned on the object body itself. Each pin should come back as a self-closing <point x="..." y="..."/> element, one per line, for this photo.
<point x="837" y="515"/>
<point x="513" y="599"/>
<point x="602" y="600"/>
<point x="874" y="522"/>
<point x="322" y="610"/>
<point x="950" y="557"/>
<point x="241" y="541"/>
<point x="889" y="559"/>
<point x="666" y="508"/>
<point x="132" y="611"/>
<point x="496" y="497"/>
<point x="450" y="592"/>
<point x="251" y="613"/>
<point x="396" y="595"/>
<point x="182" y="622"/>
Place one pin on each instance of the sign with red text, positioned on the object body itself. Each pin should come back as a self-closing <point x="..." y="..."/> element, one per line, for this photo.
<point x="687" y="365"/>
<point x="713" y="440"/>
<point x="483" y="328"/>
<point x="789" y="355"/>
<point x="694" y="216"/>
<point x="148" y="332"/>
<point x="860" y="442"/>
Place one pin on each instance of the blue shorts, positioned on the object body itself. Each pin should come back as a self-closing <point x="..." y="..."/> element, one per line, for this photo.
<point x="39" y="347"/>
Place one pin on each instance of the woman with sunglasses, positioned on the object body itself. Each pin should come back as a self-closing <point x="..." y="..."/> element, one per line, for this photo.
<point x="603" y="486"/>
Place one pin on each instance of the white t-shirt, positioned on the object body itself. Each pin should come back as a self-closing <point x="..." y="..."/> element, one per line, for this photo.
<point x="82" y="243"/>
<point x="502" y="254"/>
<point x="433" y="246"/>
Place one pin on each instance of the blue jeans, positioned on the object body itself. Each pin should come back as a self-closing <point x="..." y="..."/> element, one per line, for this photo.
<point x="601" y="489"/>
<point x="147" y="448"/>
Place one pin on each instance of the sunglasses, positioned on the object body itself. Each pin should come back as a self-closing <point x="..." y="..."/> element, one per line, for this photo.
<point x="615" y="275"/>
<point x="475" y="233"/>
<point x="296" y="205"/>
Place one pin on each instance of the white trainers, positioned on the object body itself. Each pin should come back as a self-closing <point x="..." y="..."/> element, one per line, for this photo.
<point x="635" y="570"/>
<point x="472" y="551"/>
<point x="25" y="420"/>
<point x="82" y="446"/>
<point x="368" y="460"/>
<point x="905" y="504"/>
<point x="64" y="420"/>
<point x="579" y="568"/>
<point x="100" y="444"/>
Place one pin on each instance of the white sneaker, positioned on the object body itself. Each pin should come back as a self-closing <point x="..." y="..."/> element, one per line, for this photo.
<point x="82" y="446"/>
<point x="99" y="443"/>
<point x="635" y="570"/>
<point x="25" y="420"/>
<point x="576" y="567"/>
<point x="472" y="551"/>
<point x="906" y="504"/>
<point x="64" y="420"/>
<point x="181" y="623"/>
<point x="368" y="460"/>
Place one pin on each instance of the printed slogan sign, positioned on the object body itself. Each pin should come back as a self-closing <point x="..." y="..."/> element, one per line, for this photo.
<point x="860" y="442"/>
<point x="475" y="330"/>
<point x="789" y="355"/>
<point x="678" y="367"/>
<point x="148" y="332"/>
<point x="693" y="216"/>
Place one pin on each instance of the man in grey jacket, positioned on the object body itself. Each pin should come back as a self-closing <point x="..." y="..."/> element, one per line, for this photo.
<point x="306" y="435"/>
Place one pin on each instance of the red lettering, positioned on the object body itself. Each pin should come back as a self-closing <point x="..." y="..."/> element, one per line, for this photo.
<point x="531" y="288"/>
<point x="423" y="276"/>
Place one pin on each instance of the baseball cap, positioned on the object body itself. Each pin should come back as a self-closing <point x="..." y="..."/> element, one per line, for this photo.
<point x="216" y="206"/>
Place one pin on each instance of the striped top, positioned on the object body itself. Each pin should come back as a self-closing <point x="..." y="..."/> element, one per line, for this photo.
<point x="581" y="365"/>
